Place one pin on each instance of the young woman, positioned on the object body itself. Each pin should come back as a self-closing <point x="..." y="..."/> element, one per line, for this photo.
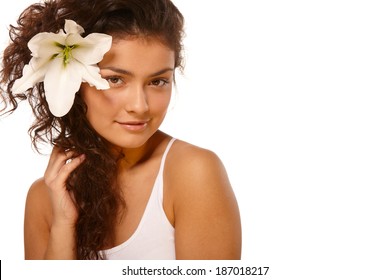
<point x="98" y="75"/>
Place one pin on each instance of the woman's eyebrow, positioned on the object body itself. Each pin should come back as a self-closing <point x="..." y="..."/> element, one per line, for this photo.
<point x="163" y="71"/>
<point x="126" y="72"/>
<point x="117" y="70"/>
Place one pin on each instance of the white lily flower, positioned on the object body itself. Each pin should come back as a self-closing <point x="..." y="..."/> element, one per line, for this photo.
<point x="63" y="61"/>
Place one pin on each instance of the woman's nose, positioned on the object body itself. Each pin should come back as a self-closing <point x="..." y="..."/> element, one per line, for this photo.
<point x="136" y="100"/>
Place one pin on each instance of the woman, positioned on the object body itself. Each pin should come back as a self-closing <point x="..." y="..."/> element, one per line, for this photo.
<point x="116" y="187"/>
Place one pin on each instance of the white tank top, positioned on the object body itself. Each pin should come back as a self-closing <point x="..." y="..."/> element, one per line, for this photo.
<point x="154" y="238"/>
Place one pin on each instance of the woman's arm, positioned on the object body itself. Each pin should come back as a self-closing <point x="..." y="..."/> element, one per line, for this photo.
<point x="37" y="221"/>
<point x="50" y="213"/>
<point x="207" y="219"/>
<point x="41" y="239"/>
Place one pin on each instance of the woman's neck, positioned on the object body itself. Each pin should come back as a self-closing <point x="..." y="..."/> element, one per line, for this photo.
<point x="130" y="158"/>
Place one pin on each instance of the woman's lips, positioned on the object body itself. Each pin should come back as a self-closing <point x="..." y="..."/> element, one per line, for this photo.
<point x="135" y="126"/>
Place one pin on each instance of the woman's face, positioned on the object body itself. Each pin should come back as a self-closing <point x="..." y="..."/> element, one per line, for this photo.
<point x="140" y="74"/>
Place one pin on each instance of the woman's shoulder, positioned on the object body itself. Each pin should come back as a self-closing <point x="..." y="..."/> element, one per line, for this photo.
<point x="190" y="166"/>
<point x="38" y="201"/>
<point x="205" y="210"/>
<point x="185" y="155"/>
<point x="37" y="220"/>
<point x="38" y="189"/>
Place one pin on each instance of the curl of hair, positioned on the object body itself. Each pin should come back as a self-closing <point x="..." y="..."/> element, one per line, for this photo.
<point x="96" y="192"/>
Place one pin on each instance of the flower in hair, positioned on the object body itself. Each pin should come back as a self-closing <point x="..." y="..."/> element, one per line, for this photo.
<point x="63" y="61"/>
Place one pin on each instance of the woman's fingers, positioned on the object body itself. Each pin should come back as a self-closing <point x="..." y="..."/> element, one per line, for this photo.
<point x="61" y="164"/>
<point x="58" y="157"/>
<point x="69" y="165"/>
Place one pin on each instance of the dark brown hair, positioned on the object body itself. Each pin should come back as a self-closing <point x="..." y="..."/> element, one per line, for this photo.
<point x="93" y="183"/>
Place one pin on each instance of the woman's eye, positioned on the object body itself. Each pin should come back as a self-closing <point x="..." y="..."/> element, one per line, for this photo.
<point x="159" y="82"/>
<point x="114" y="81"/>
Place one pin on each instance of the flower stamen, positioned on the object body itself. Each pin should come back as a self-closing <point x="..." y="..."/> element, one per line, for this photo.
<point x="67" y="53"/>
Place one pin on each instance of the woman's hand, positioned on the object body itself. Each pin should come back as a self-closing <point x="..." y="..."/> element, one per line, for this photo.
<point x="51" y="214"/>
<point x="60" y="165"/>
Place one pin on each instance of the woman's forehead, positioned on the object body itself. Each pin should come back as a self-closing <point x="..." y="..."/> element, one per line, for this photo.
<point x="137" y="55"/>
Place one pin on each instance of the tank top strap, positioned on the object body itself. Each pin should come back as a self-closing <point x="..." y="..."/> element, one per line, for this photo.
<point x="165" y="154"/>
<point x="159" y="180"/>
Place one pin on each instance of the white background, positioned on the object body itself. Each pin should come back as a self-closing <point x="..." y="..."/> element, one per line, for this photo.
<point x="294" y="98"/>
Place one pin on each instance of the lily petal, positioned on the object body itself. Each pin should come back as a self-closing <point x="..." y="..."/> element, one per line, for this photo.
<point x="74" y="39"/>
<point x="92" y="48"/>
<point x="91" y="75"/>
<point x="61" y="84"/>
<point x="33" y="73"/>
<point x="72" y="27"/>
<point x="45" y="44"/>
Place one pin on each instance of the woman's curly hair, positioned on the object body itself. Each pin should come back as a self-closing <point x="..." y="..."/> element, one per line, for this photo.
<point x="96" y="192"/>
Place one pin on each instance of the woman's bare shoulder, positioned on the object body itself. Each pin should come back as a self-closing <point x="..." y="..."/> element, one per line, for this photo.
<point x="186" y="156"/>
<point x="207" y="221"/>
<point x="192" y="166"/>
<point x="38" y="207"/>
<point x="37" y="220"/>
<point x="38" y="186"/>
<point x="38" y="192"/>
